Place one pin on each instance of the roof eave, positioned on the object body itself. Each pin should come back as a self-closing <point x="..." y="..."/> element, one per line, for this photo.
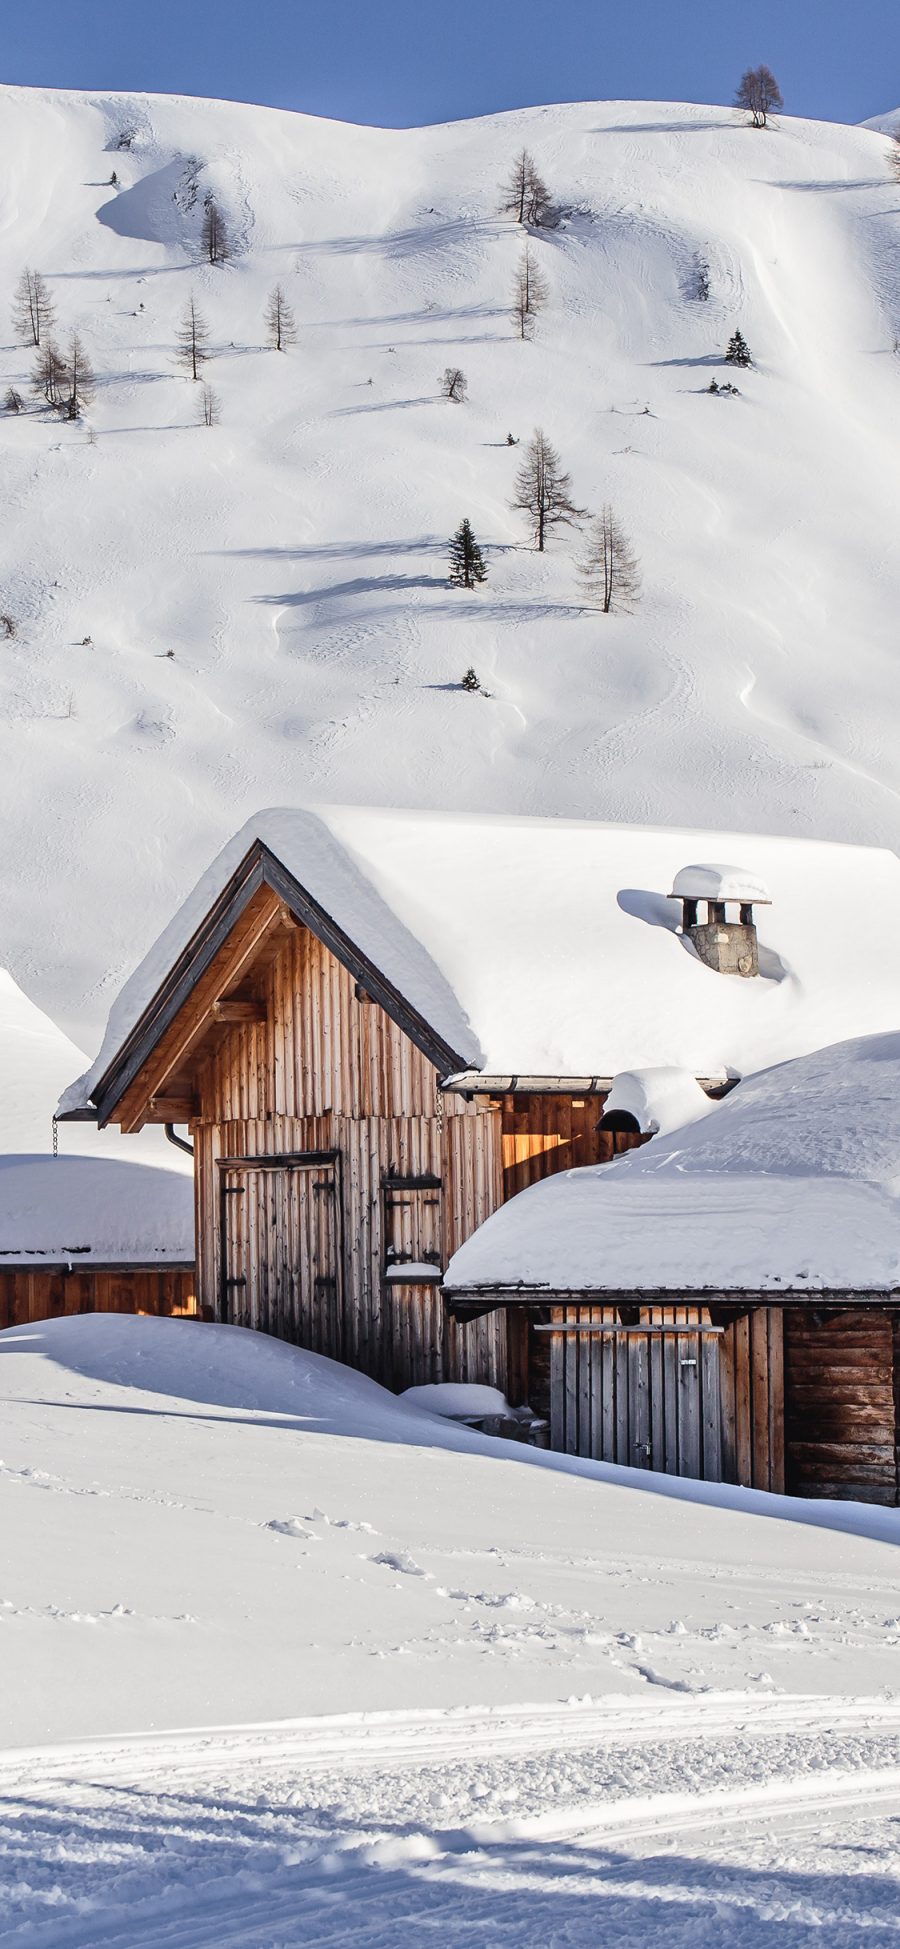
<point x="259" y="868"/>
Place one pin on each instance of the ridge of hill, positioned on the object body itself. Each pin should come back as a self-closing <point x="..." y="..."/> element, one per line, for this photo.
<point x="265" y="600"/>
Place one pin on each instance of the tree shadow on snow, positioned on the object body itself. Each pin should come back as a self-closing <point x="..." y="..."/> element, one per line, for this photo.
<point x="361" y="585"/>
<point x="299" y="1872"/>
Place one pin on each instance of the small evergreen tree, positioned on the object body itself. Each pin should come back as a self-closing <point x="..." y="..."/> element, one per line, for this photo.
<point x="215" y="233"/>
<point x="738" y="352"/>
<point x="470" y="680"/>
<point x="280" y="322"/>
<point x="467" y="566"/>
<point x="609" y="568"/>
<point x="759" y="94"/>
<point x="193" y="339"/>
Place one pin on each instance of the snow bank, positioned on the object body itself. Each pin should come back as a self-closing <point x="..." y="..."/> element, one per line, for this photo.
<point x="792" y="1182"/>
<point x="202" y="1525"/>
<point x="550" y="947"/>
<point x="457" y="1400"/>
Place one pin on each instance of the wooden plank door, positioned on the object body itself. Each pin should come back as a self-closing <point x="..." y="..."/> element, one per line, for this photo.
<point x="645" y="1396"/>
<point x="281" y="1250"/>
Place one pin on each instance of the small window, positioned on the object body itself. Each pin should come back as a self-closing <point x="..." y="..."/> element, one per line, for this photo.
<point x="412" y="1229"/>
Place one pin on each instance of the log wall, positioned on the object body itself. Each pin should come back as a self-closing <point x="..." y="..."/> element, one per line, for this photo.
<point x="30" y="1296"/>
<point x="841" y="1404"/>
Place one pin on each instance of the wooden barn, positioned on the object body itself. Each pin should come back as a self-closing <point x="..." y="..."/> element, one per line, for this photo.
<point x="378" y="1026"/>
<point x="727" y="1303"/>
<point x="99" y="1227"/>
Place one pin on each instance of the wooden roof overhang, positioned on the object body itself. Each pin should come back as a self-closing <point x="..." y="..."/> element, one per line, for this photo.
<point x="260" y="900"/>
<point x="470" y="1302"/>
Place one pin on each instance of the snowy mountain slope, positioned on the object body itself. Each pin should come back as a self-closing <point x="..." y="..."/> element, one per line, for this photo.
<point x="293" y="558"/>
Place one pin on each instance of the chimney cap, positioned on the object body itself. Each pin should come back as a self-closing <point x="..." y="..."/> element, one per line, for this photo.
<point x="714" y="881"/>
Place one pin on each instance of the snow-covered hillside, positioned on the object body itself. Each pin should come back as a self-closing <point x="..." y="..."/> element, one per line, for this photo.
<point x="266" y="600"/>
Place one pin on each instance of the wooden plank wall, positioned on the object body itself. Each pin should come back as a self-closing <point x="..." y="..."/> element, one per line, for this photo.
<point x="642" y="1400"/>
<point x="397" y="1333"/>
<point x="752" y="1367"/>
<point x="544" y="1134"/>
<point x="31" y="1296"/>
<point x="841" y="1407"/>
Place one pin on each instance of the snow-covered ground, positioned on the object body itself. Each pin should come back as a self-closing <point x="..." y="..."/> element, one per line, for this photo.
<point x="266" y="600"/>
<point x="327" y="1669"/>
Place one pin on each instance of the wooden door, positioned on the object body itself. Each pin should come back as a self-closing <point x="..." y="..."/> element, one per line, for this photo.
<point x="645" y="1394"/>
<point x="281" y="1248"/>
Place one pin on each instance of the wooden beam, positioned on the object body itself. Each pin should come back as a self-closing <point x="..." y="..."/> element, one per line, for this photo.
<point x="174" y="1109"/>
<point x="237" y="1011"/>
<point x="193" y="1022"/>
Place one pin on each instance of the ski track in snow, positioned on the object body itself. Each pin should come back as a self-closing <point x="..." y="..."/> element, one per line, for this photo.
<point x="726" y="1822"/>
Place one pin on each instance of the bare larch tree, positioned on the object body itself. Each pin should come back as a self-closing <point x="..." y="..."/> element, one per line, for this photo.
<point x="609" y="568"/>
<point x="544" y="491"/>
<point x="32" y="310"/>
<point x="193" y="339"/>
<point x="209" y="411"/>
<point x="280" y="322"/>
<point x="526" y="196"/>
<point x="78" y="388"/>
<point x="215" y="233"/>
<point x="530" y="293"/>
<point x="453" y="384"/>
<point x="49" y="373"/>
<point x="759" y="94"/>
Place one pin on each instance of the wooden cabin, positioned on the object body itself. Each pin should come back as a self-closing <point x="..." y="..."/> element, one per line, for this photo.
<point x="99" y="1227"/>
<point x="93" y="1234"/>
<point x="727" y="1304"/>
<point x="378" y="1026"/>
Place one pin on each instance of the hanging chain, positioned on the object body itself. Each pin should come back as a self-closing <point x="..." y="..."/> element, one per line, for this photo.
<point x="55" y="1138"/>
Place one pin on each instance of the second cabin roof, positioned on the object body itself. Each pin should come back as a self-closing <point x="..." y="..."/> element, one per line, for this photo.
<point x="551" y="947"/>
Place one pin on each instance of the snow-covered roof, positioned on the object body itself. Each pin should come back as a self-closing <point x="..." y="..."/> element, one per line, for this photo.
<point x="716" y="882"/>
<point x="791" y="1183"/>
<point x="550" y="947"/>
<point x="105" y="1199"/>
<point x="84" y="1211"/>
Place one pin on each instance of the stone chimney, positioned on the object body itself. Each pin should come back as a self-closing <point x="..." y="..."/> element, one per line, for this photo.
<point x="727" y="943"/>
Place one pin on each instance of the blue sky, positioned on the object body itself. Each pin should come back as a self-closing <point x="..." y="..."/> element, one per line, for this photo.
<point x="410" y="61"/>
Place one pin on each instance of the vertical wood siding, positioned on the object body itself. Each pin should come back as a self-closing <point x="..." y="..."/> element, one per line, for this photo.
<point x="328" y="1071"/>
<point x="752" y="1380"/>
<point x="644" y="1400"/>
